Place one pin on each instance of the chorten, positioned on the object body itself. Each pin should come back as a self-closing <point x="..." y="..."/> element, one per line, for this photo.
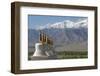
<point x="44" y="49"/>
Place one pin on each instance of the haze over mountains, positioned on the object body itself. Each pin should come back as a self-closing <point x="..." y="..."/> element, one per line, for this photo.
<point x="67" y="35"/>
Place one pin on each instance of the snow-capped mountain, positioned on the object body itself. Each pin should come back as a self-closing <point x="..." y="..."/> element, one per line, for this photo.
<point x="82" y="23"/>
<point x="67" y="35"/>
<point x="66" y="24"/>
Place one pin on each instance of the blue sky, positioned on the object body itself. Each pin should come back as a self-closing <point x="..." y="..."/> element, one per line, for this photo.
<point x="34" y="21"/>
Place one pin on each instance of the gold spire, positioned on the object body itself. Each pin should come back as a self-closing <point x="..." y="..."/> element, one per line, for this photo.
<point x="43" y="38"/>
<point x="46" y="39"/>
<point x="40" y="38"/>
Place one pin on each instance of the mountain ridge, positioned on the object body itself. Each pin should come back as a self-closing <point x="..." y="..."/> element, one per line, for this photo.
<point x="63" y="37"/>
<point x="65" y="24"/>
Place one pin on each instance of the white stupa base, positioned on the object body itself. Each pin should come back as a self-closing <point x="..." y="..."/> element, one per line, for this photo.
<point x="39" y="51"/>
<point x="42" y="52"/>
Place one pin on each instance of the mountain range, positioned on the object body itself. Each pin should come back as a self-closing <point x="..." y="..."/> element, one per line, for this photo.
<point x="65" y="24"/>
<point x="66" y="35"/>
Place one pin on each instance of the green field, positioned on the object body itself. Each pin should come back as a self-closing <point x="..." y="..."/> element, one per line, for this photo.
<point x="72" y="54"/>
<point x="68" y="55"/>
